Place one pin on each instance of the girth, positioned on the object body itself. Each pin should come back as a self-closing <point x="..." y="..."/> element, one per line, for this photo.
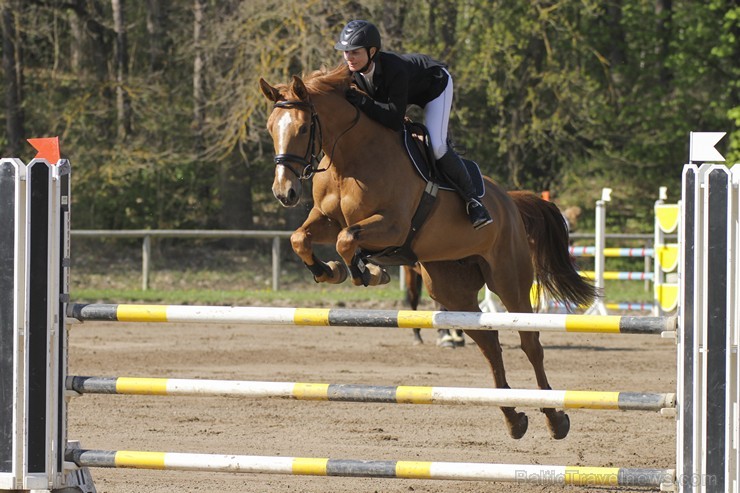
<point x="404" y="255"/>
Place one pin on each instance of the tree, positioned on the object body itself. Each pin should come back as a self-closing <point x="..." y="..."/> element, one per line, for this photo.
<point x="123" y="101"/>
<point x="159" y="108"/>
<point x="526" y="96"/>
<point x="13" y="77"/>
<point x="156" y="28"/>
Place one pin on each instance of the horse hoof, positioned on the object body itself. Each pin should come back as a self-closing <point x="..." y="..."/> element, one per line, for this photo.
<point x="518" y="428"/>
<point x="445" y="340"/>
<point x="385" y="278"/>
<point x="445" y="344"/>
<point x="338" y="272"/>
<point x="417" y="337"/>
<point x="559" y="425"/>
<point x="458" y="339"/>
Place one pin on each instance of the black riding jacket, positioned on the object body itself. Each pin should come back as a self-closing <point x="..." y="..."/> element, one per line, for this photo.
<point x="401" y="80"/>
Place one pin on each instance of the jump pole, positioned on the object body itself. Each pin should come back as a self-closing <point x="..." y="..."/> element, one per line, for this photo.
<point x="335" y="317"/>
<point x="614" y="275"/>
<point x="457" y="471"/>
<point x="590" y="251"/>
<point x="567" y="399"/>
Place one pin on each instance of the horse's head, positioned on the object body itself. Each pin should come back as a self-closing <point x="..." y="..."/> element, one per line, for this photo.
<point x="295" y="132"/>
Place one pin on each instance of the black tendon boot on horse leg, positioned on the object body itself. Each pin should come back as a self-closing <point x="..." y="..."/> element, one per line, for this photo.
<point x="454" y="169"/>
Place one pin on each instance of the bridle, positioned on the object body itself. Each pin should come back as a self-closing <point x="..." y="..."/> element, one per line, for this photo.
<point x="310" y="159"/>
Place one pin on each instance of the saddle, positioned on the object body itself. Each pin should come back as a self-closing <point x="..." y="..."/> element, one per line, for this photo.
<point x="416" y="142"/>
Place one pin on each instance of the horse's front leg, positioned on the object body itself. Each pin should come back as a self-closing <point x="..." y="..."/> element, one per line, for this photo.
<point x="374" y="232"/>
<point x="318" y="228"/>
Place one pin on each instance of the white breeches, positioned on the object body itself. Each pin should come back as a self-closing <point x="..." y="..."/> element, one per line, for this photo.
<point x="437" y="117"/>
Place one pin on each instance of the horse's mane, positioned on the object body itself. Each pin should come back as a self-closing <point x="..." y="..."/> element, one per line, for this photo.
<point x="325" y="80"/>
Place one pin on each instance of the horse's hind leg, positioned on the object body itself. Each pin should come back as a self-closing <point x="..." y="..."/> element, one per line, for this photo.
<point x="513" y="289"/>
<point x="488" y="342"/>
<point x="444" y="336"/>
<point x="456" y="286"/>
<point x="417" y="337"/>
<point x="444" y="339"/>
<point x="412" y="278"/>
<point x="458" y="337"/>
<point x="557" y="421"/>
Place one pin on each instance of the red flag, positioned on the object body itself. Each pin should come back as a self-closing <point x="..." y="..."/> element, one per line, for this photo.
<point x="48" y="148"/>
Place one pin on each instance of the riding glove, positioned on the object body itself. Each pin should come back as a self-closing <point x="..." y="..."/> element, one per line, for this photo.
<point x="356" y="98"/>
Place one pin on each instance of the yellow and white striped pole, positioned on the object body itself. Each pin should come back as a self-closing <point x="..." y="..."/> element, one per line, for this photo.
<point x="326" y="317"/>
<point x="568" y="399"/>
<point x="459" y="471"/>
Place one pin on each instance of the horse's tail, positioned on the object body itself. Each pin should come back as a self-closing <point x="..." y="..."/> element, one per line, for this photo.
<point x="555" y="271"/>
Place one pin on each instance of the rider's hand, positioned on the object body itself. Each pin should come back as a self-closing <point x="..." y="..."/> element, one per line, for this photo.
<point x="355" y="97"/>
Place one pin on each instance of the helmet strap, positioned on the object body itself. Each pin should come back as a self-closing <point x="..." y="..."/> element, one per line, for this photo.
<point x="369" y="59"/>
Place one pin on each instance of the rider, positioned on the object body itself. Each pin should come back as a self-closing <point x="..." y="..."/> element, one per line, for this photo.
<point x="394" y="81"/>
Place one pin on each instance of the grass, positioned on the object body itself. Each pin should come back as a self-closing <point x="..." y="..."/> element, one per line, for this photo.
<point x="307" y="298"/>
<point x="214" y="275"/>
<point x="210" y="275"/>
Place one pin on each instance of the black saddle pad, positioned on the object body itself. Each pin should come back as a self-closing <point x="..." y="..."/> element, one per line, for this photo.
<point x="420" y="163"/>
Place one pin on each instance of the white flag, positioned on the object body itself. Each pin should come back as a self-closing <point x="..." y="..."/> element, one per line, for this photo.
<point x="701" y="147"/>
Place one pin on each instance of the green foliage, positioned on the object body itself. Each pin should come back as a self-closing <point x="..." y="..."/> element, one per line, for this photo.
<point x="527" y="61"/>
<point x="565" y="95"/>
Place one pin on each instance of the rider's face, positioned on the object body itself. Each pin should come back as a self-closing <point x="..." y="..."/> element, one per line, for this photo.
<point x="356" y="59"/>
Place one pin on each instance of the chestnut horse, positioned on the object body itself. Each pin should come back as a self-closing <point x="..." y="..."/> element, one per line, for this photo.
<point x="365" y="193"/>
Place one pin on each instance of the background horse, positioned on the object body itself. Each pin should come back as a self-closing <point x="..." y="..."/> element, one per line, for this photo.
<point x="365" y="194"/>
<point x="571" y="215"/>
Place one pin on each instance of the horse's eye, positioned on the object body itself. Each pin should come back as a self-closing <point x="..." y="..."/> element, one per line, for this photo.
<point x="303" y="129"/>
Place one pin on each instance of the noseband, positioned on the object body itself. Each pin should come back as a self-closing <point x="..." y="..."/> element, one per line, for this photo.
<point x="309" y="160"/>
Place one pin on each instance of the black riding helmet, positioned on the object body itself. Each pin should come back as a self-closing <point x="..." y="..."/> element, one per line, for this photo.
<point x="359" y="34"/>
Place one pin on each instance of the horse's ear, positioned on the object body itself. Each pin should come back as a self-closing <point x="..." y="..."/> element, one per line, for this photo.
<point x="299" y="88"/>
<point x="270" y="92"/>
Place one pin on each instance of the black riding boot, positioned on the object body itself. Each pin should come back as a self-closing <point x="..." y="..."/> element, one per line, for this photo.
<point x="454" y="169"/>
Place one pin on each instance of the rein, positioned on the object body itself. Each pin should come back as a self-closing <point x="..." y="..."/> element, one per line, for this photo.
<point x="309" y="160"/>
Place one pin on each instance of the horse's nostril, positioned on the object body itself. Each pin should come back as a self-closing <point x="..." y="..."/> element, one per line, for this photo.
<point x="292" y="195"/>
